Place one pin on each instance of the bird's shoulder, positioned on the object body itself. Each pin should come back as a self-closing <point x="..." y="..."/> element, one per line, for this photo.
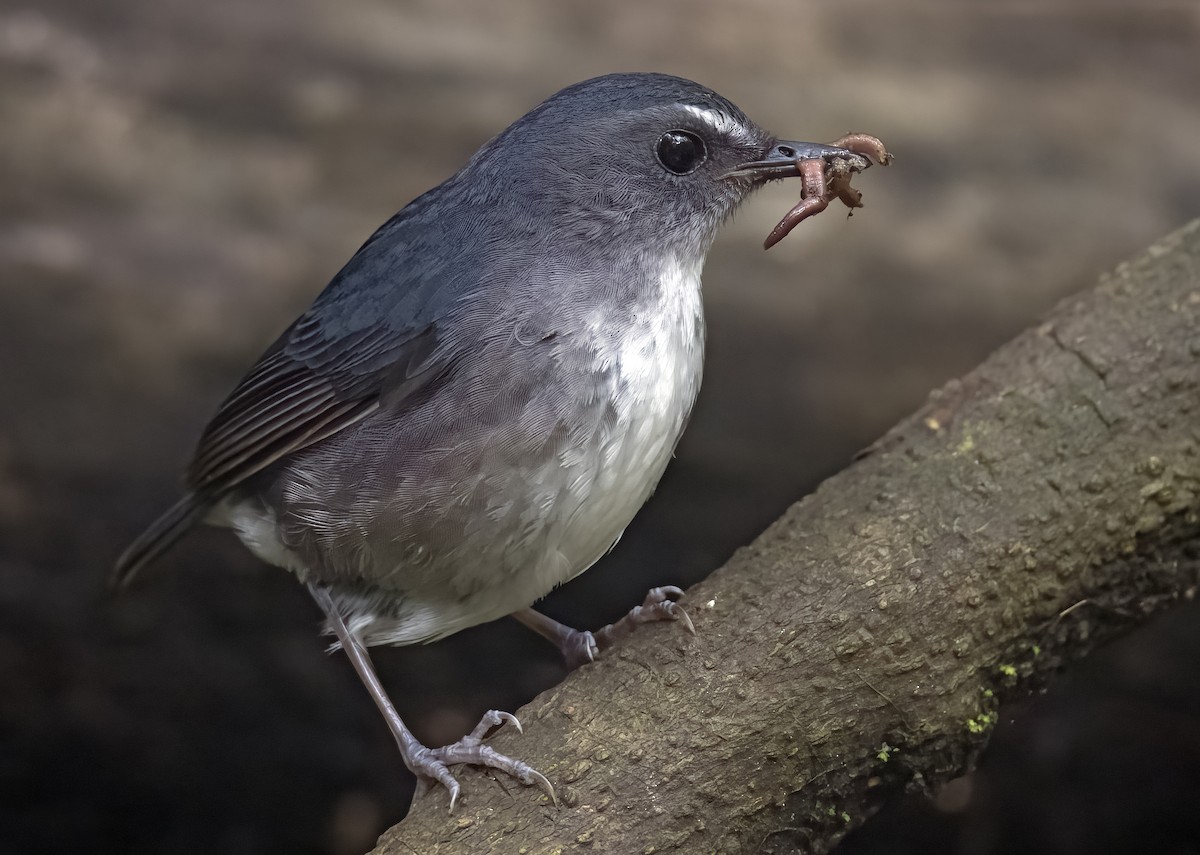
<point x="378" y="327"/>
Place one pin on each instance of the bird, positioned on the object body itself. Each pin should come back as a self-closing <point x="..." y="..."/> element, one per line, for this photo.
<point x="480" y="401"/>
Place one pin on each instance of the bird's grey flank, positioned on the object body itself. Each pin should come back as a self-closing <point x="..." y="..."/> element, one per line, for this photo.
<point x="481" y="400"/>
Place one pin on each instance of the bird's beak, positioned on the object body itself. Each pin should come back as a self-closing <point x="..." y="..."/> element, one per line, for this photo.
<point x="782" y="160"/>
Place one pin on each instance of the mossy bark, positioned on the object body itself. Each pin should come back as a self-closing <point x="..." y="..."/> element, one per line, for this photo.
<point x="1042" y="502"/>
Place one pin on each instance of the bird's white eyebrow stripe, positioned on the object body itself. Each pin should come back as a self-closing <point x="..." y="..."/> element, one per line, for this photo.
<point x="717" y="120"/>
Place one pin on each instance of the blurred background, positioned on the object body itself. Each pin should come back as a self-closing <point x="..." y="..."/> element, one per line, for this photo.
<point x="179" y="179"/>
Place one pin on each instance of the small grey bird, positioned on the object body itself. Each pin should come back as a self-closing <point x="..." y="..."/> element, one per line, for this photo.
<point x="477" y="405"/>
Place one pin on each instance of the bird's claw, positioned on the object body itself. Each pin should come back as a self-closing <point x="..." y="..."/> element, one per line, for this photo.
<point x="432" y="764"/>
<point x="660" y="604"/>
<point x="579" y="648"/>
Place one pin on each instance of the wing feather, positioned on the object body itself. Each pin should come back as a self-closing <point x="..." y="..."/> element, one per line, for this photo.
<point x="309" y="385"/>
<point x="371" y="335"/>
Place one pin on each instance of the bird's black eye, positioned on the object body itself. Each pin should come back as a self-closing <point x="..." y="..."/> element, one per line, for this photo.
<point x="681" y="151"/>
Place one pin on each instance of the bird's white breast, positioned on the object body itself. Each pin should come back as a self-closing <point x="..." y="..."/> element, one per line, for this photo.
<point x="655" y="365"/>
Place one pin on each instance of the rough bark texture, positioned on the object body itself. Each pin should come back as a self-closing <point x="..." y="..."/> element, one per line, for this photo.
<point x="1038" y="504"/>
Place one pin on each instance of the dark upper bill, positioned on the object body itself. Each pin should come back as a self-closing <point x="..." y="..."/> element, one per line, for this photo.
<point x="783" y="160"/>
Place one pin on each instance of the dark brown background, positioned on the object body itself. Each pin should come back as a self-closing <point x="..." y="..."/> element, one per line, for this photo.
<point x="178" y="179"/>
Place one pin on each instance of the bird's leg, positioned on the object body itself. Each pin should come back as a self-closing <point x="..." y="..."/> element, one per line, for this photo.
<point x="580" y="646"/>
<point x="428" y="764"/>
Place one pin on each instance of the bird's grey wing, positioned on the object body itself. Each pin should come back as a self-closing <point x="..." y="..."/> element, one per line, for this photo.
<point x="305" y="389"/>
<point x="372" y="332"/>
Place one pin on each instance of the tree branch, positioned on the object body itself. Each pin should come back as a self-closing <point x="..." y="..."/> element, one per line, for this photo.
<point x="1036" y="505"/>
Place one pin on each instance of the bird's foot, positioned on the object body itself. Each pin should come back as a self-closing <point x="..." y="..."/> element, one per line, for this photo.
<point x="660" y="604"/>
<point x="430" y="765"/>
<point x="580" y="647"/>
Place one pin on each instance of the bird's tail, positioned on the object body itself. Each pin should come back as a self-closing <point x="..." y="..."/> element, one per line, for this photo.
<point x="158" y="538"/>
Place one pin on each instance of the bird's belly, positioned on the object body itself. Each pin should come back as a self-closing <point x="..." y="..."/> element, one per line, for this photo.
<point x="504" y="564"/>
<point x="460" y="538"/>
<point x="622" y="472"/>
<point x="585" y="497"/>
